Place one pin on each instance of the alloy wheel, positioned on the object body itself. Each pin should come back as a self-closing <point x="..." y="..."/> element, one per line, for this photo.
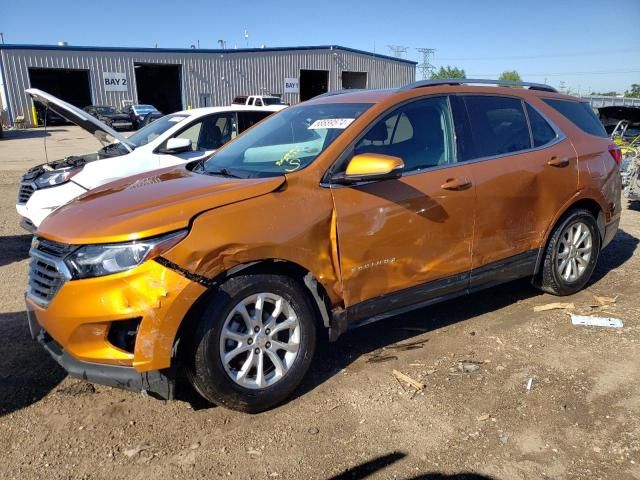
<point x="575" y="249"/>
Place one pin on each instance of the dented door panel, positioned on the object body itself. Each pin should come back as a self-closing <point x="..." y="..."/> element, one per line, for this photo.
<point x="396" y="234"/>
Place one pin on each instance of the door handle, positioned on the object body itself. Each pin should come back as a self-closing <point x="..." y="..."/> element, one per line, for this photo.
<point x="456" y="184"/>
<point x="558" y="162"/>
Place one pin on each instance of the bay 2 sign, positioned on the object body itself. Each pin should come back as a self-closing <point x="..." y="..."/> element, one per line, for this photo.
<point x="115" y="81"/>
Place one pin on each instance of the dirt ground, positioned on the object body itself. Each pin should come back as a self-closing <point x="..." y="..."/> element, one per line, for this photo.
<point x="475" y="419"/>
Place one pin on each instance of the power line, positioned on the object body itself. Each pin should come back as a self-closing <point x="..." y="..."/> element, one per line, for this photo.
<point x="537" y="74"/>
<point x="556" y="55"/>
<point x="426" y="68"/>
<point x="398" y="51"/>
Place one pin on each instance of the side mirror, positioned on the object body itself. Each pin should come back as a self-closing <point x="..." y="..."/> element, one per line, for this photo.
<point x="177" y="145"/>
<point x="368" y="167"/>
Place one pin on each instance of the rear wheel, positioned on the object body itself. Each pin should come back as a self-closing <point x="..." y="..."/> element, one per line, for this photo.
<point x="254" y="342"/>
<point x="571" y="254"/>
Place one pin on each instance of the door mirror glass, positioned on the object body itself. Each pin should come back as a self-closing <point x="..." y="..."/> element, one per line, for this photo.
<point x="177" y="145"/>
<point x="368" y="167"/>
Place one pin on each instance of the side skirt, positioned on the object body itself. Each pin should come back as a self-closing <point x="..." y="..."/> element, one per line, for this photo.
<point x="396" y="303"/>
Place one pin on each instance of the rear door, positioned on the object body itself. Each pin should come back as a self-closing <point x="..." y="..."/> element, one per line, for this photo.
<point x="411" y="232"/>
<point x="521" y="176"/>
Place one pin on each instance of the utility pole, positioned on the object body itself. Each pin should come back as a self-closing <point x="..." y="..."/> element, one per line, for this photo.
<point x="2" y="37"/>
<point x="426" y="68"/>
<point x="398" y="51"/>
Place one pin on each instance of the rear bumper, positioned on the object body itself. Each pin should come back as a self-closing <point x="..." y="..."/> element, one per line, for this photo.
<point x="610" y="231"/>
<point x="157" y="383"/>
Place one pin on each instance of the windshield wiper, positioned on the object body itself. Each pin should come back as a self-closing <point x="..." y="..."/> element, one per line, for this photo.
<point x="223" y="172"/>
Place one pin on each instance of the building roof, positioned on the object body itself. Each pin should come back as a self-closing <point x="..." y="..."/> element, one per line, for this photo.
<point x="198" y="50"/>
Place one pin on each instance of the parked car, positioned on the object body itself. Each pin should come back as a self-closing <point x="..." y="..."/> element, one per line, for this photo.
<point x="176" y="138"/>
<point x="110" y="116"/>
<point x="138" y="112"/>
<point x="150" y="117"/>
<point x="52" y="118"/>
<point x="259" y="100"/>
<point x="334" y="213"/>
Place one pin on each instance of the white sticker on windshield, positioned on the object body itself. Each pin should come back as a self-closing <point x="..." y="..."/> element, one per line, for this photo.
<point x="176" y="119"/>
<point x="340" y="123"/>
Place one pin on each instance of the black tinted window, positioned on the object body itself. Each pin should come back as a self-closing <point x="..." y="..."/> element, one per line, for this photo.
<point x="580" y="114"/>
<point x="498" y="125"/>
<point x="249" y="119"/>
<point x="420" y="133"/>
<point x="540" y="128"/>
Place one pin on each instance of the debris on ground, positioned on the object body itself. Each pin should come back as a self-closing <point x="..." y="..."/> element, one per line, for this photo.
<point x="604" y="301"/>
<point x="596" y="321"/>
<point x="554" y="306"/>
<point x="529" y="384"/>
<point x="132" y="452"/>
<point x="484" y="417"/>
<point x="407" y="379"/>
<point x="464" y="367"/>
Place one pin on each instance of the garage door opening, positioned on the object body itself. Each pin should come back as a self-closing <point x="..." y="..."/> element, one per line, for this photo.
<point x="159" y="85"/>
<point x="354" y="80"/>
<point x="313" y="83"/>
<point x="72" y="86"/>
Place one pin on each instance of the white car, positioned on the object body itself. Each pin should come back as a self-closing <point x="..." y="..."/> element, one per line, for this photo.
<point x="173" y="139"/>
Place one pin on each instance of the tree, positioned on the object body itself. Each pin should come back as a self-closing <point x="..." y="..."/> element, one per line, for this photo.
<point x="449" y="72"/>
<point x="605" y="94"/>
<point x="634" y="92"/>
<point x="510" y="75"/>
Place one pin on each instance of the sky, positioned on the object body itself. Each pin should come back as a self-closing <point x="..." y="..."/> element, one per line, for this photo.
<point x="589" y="45"/>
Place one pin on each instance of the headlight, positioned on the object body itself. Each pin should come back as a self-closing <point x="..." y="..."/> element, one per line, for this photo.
<point x="98" y="260"/>
<point x="55" y="177"/>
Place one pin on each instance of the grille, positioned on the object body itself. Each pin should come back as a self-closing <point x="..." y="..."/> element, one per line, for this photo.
<point x="25" y="192"/>
<point x="45" y="277"/>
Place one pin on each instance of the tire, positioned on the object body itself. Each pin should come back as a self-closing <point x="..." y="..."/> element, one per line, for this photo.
<point x="556" y="276"/>
<point x="223" y="329"/>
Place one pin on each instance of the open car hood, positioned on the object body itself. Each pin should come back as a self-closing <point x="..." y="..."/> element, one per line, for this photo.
<point x="81" y="118"/>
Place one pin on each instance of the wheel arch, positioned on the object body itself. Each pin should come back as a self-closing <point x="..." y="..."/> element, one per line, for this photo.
<point x="587" y="203"/>
<point x="315" y="291"/>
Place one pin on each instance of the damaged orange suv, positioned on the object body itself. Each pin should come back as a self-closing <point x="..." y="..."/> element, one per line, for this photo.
<point x="348" y="208"/>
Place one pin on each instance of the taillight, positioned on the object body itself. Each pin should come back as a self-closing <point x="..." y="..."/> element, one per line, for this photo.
<point x="616" y="153"/>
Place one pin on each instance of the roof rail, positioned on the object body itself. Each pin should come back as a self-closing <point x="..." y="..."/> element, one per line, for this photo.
<point x="339" y="92"/>
<point x="460" y="81"/>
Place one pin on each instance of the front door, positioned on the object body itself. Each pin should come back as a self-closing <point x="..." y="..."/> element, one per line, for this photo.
<point x="412" y="232"/>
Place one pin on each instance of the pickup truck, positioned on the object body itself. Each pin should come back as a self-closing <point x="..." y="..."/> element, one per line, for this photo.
<point x="258" y="100"/>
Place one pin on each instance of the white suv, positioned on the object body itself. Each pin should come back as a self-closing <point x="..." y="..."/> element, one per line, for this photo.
<point x="176" y="138"/>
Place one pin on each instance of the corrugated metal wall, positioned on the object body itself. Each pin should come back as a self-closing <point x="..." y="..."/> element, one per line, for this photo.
<point x="223" y="75"/>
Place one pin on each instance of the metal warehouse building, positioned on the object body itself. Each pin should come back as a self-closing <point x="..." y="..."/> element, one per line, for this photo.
<point x="174" y="79"/>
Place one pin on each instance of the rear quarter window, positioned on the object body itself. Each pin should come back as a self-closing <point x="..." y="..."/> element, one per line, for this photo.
<point x="580" y="114"/>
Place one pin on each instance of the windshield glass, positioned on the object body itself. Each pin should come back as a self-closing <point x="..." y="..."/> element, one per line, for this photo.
<point x="106" y="110"/>
<point x="155" y="129"/>
<point x="272" y="101"/>
<point x="285" y="142"/>
<point x="144" y="108"/>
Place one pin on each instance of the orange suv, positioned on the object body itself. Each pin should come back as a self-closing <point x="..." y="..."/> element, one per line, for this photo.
<point x="348" y="208"/>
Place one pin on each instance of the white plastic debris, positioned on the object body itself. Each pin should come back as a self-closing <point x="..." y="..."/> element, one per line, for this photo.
<point x="529" y="384"/>
<point x="596" y="321"/>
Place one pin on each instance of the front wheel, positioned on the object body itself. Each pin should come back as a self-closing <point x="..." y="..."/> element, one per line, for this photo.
<point x="254" y="342"/>
<point x="571" y="254"/>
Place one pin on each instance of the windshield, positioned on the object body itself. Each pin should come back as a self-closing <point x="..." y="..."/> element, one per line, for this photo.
<point x="155" y="129"/>
<point x="285" y="142"/>
<point x="272" y="101"/>
<point x="106" y="110"/>
<point x="145" y="108"/>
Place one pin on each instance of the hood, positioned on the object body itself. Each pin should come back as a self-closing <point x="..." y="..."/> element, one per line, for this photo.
<point x="89" y="123"/>
<point x="147" y="205"/>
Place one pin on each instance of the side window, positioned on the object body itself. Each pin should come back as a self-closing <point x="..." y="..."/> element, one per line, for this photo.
<point x="580" y="114"/>
<point x="258" y="102"/>
<point x="541" y="130"/>
<point x="498" y="125"/>
<point x="421" y="133"/>
<point x="249" y="119"/>
<point x="192" y="133"/>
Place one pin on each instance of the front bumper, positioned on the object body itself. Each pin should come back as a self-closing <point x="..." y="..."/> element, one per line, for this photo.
<point x="157" y="383"/>
<point x="79" y="317"/>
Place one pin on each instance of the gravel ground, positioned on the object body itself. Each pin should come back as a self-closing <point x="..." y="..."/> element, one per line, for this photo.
<point x="476" y="418"/>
